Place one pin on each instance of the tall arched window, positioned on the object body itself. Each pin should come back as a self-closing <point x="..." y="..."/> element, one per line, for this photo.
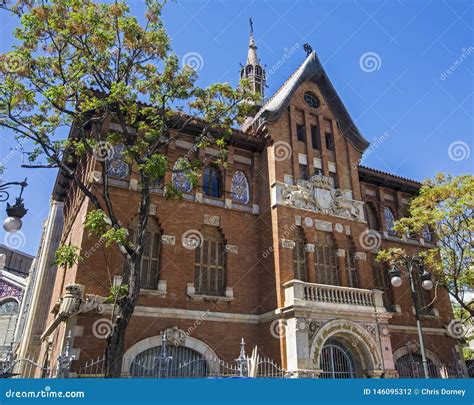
<point x="150" y="264"/>
<point x="325" y="259"/>
<point x="180" y="177"/>
<point x="212" y="182"/>
<point x="372" y="217"/>
<point x="209" y="266"/>
<point x="389" y="220"/>
<point x="240" y="188"/>
<point x="299" y="256"/>
<point x="9" y="310"/>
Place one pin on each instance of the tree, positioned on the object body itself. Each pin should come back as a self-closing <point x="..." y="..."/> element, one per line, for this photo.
<point x="443" y="212"/>
<point x="79" y="64"/>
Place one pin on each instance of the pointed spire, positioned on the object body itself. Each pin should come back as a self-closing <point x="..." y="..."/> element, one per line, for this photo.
<point x="252" y="58"/>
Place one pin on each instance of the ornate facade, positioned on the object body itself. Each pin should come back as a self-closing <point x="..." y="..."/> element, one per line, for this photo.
<point x="277" y="248"/>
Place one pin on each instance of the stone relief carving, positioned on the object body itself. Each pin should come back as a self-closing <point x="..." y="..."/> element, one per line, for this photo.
<point x="175" y="336"/>
<point x="317" y="195"/>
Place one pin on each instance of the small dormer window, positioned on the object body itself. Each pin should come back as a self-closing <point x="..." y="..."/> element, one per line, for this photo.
<point x="311" y="99"/>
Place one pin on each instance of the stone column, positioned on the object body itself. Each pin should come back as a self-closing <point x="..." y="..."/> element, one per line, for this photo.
<point x="297" y="351"/>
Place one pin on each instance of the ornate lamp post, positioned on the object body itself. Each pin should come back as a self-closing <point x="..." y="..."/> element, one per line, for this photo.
<point x="16" y="211"/>
<point x="409" y="263"/>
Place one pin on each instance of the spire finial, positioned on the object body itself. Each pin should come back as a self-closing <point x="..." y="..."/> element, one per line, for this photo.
<point x="251" y="25"/>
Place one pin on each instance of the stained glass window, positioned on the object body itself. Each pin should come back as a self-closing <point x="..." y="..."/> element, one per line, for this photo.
<point x="180" y="176"/>
<point x="240" y="188"/>
<point x="9" y="307"/>
<point x="117" y="167"/>
<point x="389" y="220"/>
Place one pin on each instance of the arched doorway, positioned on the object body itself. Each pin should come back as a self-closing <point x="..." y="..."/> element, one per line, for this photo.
<point x="338" y="361"/>
<point x="176" y="361"/>
<point x="411" y="366"/>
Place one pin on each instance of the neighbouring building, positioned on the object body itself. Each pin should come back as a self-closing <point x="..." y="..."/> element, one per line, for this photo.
<point x="14" y="270"/>
<point x="287" y="234"/>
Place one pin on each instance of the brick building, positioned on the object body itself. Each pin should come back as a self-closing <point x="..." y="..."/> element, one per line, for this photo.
<point x="276" y="248"/>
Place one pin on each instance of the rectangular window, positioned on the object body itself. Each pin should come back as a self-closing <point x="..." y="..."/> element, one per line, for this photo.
<point x="315" y="137"/>
<point x="351" y="269"/>
<point x="334" y="181"/>
<point x="300" y="133"/>
<point x="329" y="141"/>
<point x="325" y="262"/>
<point x="304" y="174"/>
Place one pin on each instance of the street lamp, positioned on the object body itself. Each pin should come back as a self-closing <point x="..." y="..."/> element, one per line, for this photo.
<point x="16" y="211"/>
<point x="395" y="278"/>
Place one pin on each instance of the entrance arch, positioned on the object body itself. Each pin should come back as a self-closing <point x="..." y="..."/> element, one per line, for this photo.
<point x="344" y="349"/>
<point x="153" y="343"/>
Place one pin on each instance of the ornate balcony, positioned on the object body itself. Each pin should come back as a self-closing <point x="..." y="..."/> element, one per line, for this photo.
<point x="330" y="297"/>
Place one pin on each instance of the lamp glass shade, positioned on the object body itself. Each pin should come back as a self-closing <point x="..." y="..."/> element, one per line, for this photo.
<point x="427" y="284"/>
<point x="12" y="224"/>
<point x="396" y="281"/>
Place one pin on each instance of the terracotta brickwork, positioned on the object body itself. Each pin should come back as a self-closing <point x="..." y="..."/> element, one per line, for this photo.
<point x="261" y="233"/>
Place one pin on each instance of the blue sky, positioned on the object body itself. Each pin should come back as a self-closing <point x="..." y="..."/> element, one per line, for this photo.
<point x="415" y="101"/>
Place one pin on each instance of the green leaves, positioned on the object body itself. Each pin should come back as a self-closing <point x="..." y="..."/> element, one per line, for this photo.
<point x="67" y="256"/>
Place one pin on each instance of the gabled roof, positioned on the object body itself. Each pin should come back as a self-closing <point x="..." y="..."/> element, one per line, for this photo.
<point x="311" y="69"/>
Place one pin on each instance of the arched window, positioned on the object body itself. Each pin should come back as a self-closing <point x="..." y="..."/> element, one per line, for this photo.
<point x="258" y="70"/>
<point x="411" y="366"/>
<point x="351" y="268"/>
<point x="209" y="266"/>
<point x="325" y="259"/>
<point x="116" y="165"/>
<point x="150" y="265"/>
<point x="371" y="217"/>
<point x="180" y="177"/>
<point x="183" y="362"/>
<point x="337" y="361"/>
<point x="9" y="307"/>
<point x="299" y="256"/>
<point x="240" y="188"/>
<point x="389" y="220"/>
<point x="212" y="182"/>
<point x="9" y="310"/>
<point x="249" y="69"/>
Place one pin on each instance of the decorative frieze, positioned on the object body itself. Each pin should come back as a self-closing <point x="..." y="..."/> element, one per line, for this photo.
<point x="297" y="220"/>
<point x="317" y="195"/>
<point x="232" y="249"/>
<point x="340" y="253"/>
<point x="323" y="225"/>
<point x="309" y="247"/>
<point x="242" y="159"/>
<point x="287" y="243"/>
<point x="168" y="239"/>
<point x="339" y="228"/>
<point x="347" y="229"/>
<point x="360" y="256"/>
<point x="308" y="222"/>
<point x="213" y="220"/>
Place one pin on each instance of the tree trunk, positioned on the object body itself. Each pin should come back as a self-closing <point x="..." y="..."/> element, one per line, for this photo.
<point x="125" y="307"/>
